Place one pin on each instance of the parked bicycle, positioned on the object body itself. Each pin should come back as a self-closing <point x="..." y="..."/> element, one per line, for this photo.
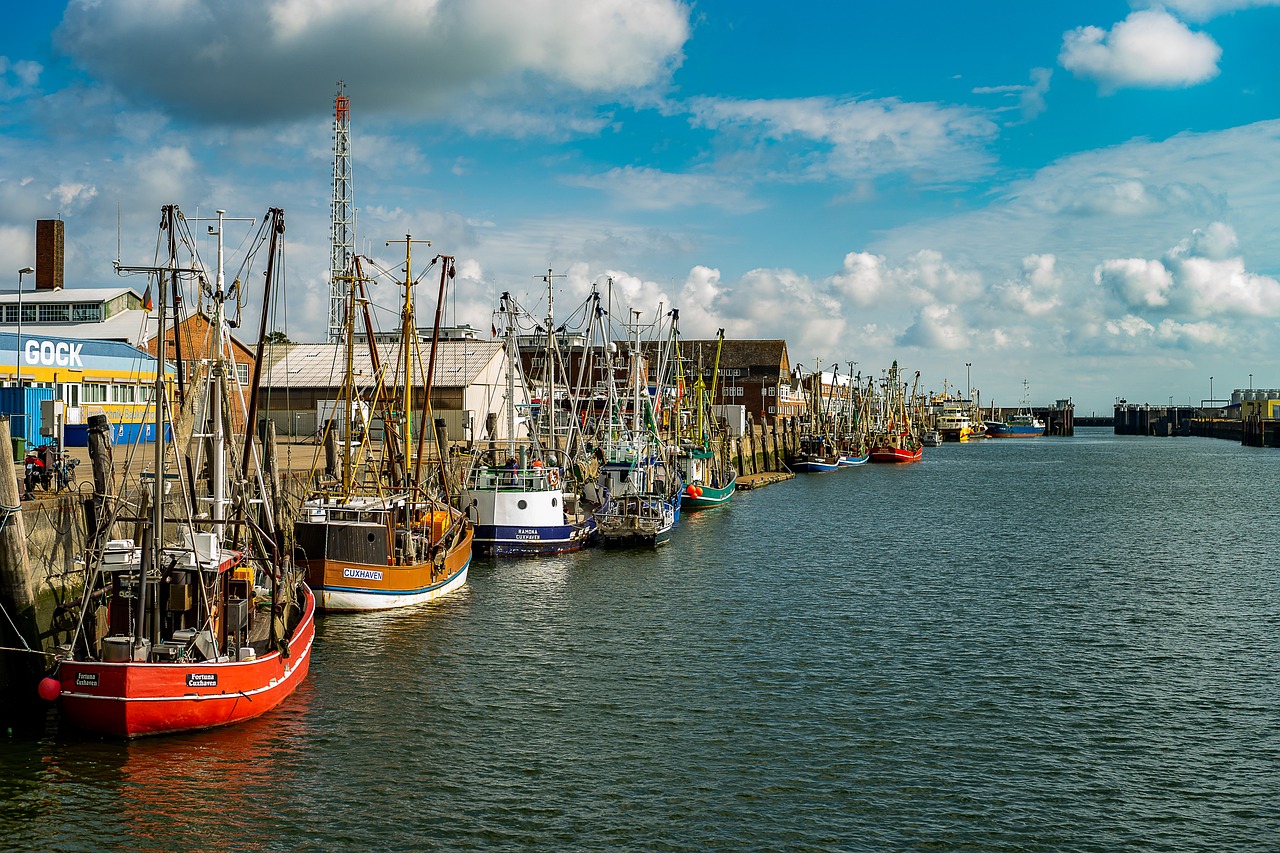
<point x="48" y="470"/>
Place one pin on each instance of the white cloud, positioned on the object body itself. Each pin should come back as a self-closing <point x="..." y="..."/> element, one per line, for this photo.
<point x="652" y="189"/>
<point x="926" y="277"/>
<point x="1129" y="326"/>
<point x="70" y="194"/>
<point x="1221" y="287"/>
<point x="1217" y="241"/>
<point x="1203" y="10"/>
<point x="822" y="138"/>
<point x="1037" y="292"/>
<point x="1192" y="334"/>
<point x="861" y="278"/>
<point x="1031" y="102"/>
<point x="938" y="327"/>
<point x="1148" y="49"/>
<point x="1137" y="281"/>
<point x="1196" y="278"/>
<point x="18" y="78"/>
<point x="250" y="60"/>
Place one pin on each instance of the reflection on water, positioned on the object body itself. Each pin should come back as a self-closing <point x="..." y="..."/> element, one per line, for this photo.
<point x="1040" y="645"/>
<point x="204" y="790"/>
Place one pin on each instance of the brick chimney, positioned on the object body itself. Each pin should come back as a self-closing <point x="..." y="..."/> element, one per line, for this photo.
<point x="48" y="254"/>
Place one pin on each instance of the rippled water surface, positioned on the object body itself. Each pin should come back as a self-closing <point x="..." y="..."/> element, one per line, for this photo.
<point x="1013" y="645"/>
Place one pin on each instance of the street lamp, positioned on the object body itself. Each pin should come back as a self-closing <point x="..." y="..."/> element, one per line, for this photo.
<point x="968" y="383"/>
<point x="22" y="400"/>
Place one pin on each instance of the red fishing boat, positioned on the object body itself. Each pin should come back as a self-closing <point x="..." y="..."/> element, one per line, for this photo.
<point x="890" y="453"/>
<point x="893" y="436"/>
<point x="228" y="671"/>
<point x="177" y="630"/>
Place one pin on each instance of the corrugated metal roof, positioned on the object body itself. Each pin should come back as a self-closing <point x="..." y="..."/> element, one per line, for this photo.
<point x="66" y="294"/>
<point x="458" y="363"/>
<point x="127" y="326"/>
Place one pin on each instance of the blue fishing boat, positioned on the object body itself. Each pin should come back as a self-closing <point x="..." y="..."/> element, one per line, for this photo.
<point x="1022" y="424"/>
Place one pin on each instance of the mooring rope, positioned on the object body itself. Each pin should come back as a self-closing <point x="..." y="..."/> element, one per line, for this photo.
<point x="6" y="513"/>
<point x="16" y="632"/>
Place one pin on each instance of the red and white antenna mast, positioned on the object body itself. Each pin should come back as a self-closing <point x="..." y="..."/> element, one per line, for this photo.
<point x="343" y="233"/>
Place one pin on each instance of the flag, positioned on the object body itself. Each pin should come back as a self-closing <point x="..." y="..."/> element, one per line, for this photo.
<point x="147" y="304"/>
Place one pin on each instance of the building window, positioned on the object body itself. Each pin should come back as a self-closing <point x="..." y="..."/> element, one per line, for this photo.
<point x="11" y="313"/>
<point x="242" y="373"/>
<point x="86" y="312"/>
<point x="53" y="313"/>
<point x="94" y="392"/>
<point x="122" y="393"/>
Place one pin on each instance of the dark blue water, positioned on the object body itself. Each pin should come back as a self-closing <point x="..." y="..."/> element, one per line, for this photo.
<point x="1014" y="645"/>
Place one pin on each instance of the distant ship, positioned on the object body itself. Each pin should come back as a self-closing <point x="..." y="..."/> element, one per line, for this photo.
<point x="1023" y="424"/>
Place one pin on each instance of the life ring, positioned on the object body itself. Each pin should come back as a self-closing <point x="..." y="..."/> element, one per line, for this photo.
<point x="553" y="477"/>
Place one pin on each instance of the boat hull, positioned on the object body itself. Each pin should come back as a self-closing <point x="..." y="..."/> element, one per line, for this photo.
<point x="638" y="521"/>
<point x="709" y="497"/>
<point x="815" y="466"/>
<point x="639" y="539"/>
<point x="851" y="461"/>
<point x="896" y="454"/>
<point x="1014" y="431"/>
<point x="349" y="585"/>
<point x="516" y="541"/>
<point x="133" y="699"/>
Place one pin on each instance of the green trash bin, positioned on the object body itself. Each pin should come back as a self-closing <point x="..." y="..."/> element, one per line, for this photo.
<point x="19" y="448"/>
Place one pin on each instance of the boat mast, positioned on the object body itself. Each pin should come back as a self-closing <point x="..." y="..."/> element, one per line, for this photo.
<point x="447" y="271"/>
<point x="218" y="452"/>
<point x="635" y="372"/>
<point x="156" y="533"/>
<point x="408" y="343"/>
<point x="512" y="355"/>
<point x="549" y="359"/>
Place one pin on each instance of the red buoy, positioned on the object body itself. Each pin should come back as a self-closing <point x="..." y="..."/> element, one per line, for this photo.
<point x="49" y="689"/>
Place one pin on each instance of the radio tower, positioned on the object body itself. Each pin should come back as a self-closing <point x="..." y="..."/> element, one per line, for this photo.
<point x="342" y="238"/>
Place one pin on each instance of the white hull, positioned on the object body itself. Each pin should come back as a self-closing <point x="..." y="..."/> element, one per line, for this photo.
<point x="331" y="599"/>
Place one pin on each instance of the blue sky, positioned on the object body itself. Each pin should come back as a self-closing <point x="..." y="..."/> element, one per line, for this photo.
<point x="1077" y="194"/>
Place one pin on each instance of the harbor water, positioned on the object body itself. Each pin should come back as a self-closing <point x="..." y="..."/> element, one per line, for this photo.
<point x="1041" y="644"/>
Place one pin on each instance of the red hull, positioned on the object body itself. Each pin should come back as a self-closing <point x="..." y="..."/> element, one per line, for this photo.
<point x="896" y="454"/>
<point x="134" y="699"/>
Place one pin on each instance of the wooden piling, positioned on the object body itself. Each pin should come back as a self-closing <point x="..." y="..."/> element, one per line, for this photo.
<point x="22" y="666"/>
<point x="104" y="484"/>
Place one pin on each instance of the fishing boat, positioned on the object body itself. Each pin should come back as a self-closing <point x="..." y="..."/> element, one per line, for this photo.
<point x="638" y="491"/>
<point x="709" y="480"/>
<point x="815" y="454"/>
<point x="1021" y="424"/>
<point x="893" y="437"/>
<point x="640" y="508"/>
<point x="931" y="438"/>
<point x="381" y="532"/>
<point x="850" y="425"/>
<point x="175" y="632"/>
<point x="1017" y="425"/>
<point x="522" y="506"/>
<point x="816" y="450"/>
